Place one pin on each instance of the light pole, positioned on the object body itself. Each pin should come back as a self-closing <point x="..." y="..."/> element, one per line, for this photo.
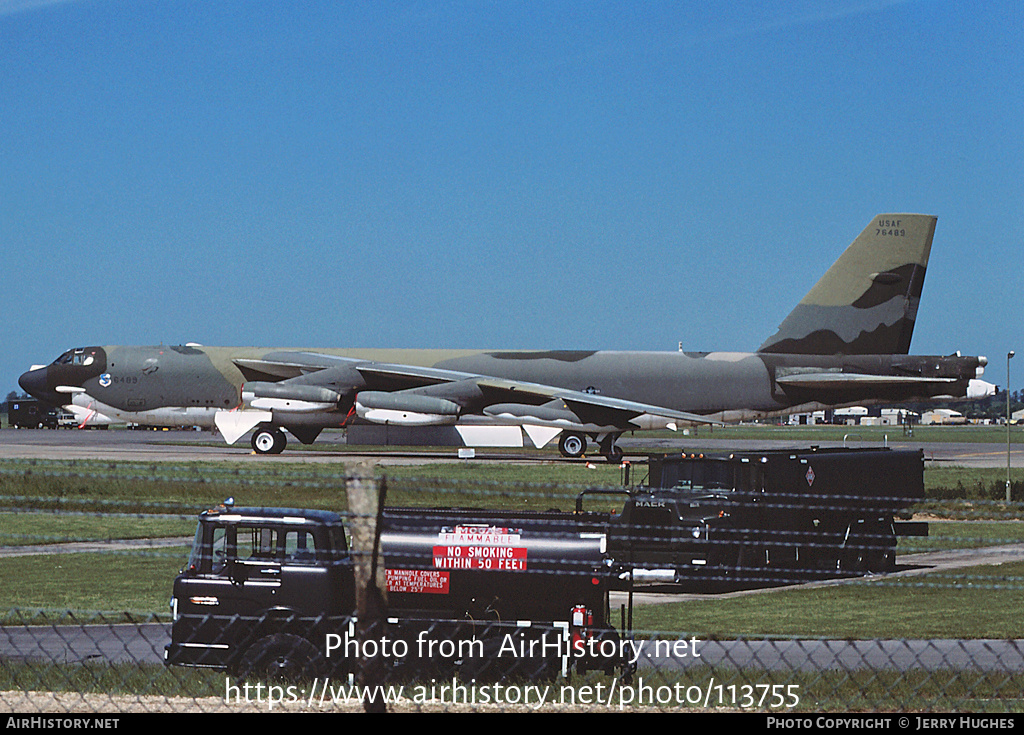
<point x="1009" y="356"/>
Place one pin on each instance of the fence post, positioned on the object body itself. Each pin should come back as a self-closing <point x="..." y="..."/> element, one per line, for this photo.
<point x="365" y="503"/>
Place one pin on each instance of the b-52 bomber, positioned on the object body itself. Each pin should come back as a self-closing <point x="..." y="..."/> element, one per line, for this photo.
<point x="846" y="342"/>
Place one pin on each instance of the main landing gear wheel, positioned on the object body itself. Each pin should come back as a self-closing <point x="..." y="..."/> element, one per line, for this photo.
<point x="268" y="440"/>
<point x="613" y="455"/>
<point x="572" y="445"/>
<point x="610" y="450"/>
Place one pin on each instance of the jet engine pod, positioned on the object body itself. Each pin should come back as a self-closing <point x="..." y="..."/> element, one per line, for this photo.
<point x="405" y="409"/>
<point x="289" y="397"/>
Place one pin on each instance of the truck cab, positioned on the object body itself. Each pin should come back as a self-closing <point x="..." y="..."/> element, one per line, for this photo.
<point x="270" y="591"/>
<point x="254" y="573"/>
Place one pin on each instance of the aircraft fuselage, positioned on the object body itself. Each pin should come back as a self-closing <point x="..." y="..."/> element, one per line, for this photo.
<point x="161" y="384"/>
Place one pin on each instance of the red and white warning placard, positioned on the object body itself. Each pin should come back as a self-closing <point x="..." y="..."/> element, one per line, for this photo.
<point x="422" y="581"/>
<point x="480" y="547"/>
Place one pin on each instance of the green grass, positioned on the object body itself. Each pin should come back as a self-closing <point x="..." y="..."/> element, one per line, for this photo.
<point x="973" y="483"/>
<point x="90" y="486"/>
<point x="20" y="529"/>
<point x="131" y="500"/>
<point x="95" y="486"/>
<point x="135" y="582"/>
<point x="943" y="535"/>
<point x="975" y="603"/>
<point x="981" y="602"/>
<point x="111" y="680"/>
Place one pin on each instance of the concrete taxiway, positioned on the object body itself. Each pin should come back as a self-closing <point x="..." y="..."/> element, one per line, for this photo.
<point x="203" y="446"/>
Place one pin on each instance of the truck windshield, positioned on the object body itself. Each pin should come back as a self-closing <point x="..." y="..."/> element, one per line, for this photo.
<point x="718" y="476"/>
<point x="697" y="476"/>
<point x="196" y="555"/>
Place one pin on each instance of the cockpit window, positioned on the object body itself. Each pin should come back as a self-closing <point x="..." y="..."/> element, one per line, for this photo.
<point x="81" y="356"/>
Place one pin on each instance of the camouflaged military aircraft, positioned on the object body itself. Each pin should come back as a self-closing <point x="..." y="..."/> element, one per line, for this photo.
<point x="846" y="342"/>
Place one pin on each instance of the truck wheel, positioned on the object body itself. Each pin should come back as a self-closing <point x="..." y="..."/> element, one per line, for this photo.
<point x="882" y="557"/>
<point x="572" y="445"/>
<point x="281" y="657"/>
<point x="492" y="666"/>
<point x="882" y="561"/>
<point x="268" y="440"/>
<point x="852" y="561"/>
<point x="750" y="561"/>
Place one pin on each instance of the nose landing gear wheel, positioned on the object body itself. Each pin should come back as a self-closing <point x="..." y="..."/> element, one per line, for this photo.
<point x="268" y="440"/>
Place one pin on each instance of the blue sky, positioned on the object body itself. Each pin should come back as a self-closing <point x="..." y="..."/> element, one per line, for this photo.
<point x="579" y="175"/>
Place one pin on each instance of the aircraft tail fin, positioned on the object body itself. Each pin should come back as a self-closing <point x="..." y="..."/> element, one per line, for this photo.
<point x="866" y="303"/>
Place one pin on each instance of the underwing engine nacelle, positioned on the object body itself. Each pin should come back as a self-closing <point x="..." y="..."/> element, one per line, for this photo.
<point x="289" y="397"/>
<point x="268" y="406"/>
<point x="406" y="409"/>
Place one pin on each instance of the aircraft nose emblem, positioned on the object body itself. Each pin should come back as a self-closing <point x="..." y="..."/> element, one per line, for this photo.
<point x="105" y="380"/>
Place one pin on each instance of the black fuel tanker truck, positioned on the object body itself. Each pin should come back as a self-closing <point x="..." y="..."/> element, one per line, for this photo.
<point x="492" y="593"/>
<point x="270" y="591"/>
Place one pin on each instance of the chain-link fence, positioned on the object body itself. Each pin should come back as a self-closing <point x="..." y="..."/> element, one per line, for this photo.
<point x="91" y="663"/>
<point x="502" y="609"/>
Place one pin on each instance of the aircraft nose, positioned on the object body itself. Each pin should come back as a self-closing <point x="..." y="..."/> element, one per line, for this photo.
<point x="35" y="384"/>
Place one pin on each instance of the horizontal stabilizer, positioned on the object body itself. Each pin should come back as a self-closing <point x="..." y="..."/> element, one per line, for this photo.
<point x="840" y="381"/>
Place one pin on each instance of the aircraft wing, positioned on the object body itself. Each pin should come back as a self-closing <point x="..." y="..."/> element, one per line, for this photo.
<point x="593" y="408"/>
<point x="286" y="365"/>
<point x="287" y="387"/>
<point x="506" y="401"/>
